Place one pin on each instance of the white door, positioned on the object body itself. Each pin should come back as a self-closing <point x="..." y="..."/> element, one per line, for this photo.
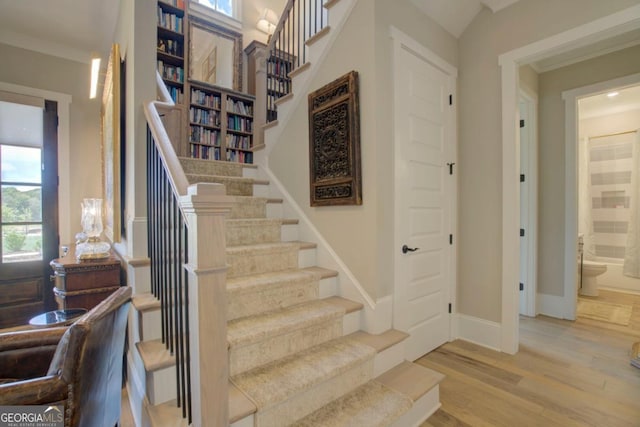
<point x="424" y="145"/>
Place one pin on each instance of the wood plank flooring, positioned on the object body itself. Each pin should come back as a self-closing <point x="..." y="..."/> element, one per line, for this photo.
<point x="565" y="374"/>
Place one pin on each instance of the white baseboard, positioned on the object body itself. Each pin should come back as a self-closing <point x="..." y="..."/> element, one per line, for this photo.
<point x="478" y="331"/>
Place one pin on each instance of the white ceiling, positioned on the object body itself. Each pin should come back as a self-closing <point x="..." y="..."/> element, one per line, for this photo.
<point x="628" y="99"/>
<point x="456" y="15"/>
<point x="73" y="29"/>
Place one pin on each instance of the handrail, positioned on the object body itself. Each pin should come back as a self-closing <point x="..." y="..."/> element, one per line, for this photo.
<point x="299" y="22"/>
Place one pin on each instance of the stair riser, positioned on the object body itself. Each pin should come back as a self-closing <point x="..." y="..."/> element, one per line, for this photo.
<point x="421" y="410"/>
<point x="310" y="400"/>
<point x="253" y="233"/>
<point x="289" y="233"/>
<point x="150" y="325"/>
<point x="234" y="187"/>
<point x="248" y="208"/>
<point x="161" y="385"/>
<point x="261" y="190"/>
<point x="199" y="167"/>
<point x="261" y="262"/>
<point x="274" y="348"/>
<point x="269" y="298"/>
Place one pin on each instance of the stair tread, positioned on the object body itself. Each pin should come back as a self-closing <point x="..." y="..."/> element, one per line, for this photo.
<point x="221" y="177"/>
<point x="155" y="355"/>
<point x="167" y="414"/>
<point x="265" y="279"/>
<point x="263" y="326"/>
<point x="324" y="273"/>
<point x="411" y="379"/>
<point x="381" y="341"/>
<point x="145" y="302"/>
<point x="348" y="305"/>
<point x="317" y="36"/>
<point x="240" y="406"/>
<point x="277" y="381"/>
<point x="372" y="404"/>
<point x="261" y="247"/>
<point x="254" y="221"/>
<point x="299" y="70"/>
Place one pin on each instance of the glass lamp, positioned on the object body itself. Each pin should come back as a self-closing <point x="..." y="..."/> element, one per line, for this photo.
<point x="88" y="241"/>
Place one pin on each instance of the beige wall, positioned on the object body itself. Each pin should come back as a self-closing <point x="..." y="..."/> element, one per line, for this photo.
<point x="552" y="150"/>
<point x="609" y="124"/>
<point x="528" y="80"/>
<point x="35" y="70"/>
<point x="361" y="235"/>
<point x="480" y="136"/>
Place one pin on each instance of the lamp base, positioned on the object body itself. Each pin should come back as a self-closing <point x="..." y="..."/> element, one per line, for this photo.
<point x="92" y="250"/>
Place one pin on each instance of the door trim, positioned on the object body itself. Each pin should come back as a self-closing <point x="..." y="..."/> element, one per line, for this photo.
<point x="530" y="101"/>
<point x="402" y="40"/>
<point x="509" y="63"/>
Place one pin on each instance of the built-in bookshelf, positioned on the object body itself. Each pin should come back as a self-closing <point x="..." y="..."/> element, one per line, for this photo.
<point x="278" y="82"/>
<point x="220" y="124"/>
<point x="171" y="46"/>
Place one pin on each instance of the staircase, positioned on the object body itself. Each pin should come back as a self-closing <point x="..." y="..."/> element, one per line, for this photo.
<point x="296" y="354"/>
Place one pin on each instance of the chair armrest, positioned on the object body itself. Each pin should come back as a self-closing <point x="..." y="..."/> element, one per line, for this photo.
<point x="39" y="391"/>
<point x="31" y="338"/>
<point x="27" y="354"/>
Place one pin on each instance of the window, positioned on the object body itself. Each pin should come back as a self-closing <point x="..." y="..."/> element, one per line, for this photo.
<point x="21" y="182"/>
<point x="223" y="6"/>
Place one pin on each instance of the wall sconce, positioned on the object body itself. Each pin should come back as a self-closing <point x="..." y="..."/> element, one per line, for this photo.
<point x="95" y="70"/>
<point x="267" y="22"/>
<point x="88" y="244"/>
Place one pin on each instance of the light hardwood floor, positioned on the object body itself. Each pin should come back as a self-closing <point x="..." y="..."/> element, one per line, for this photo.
<point x="565" y="374"/>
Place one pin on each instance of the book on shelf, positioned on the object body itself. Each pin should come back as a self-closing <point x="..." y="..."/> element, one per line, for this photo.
<point x="238" y="123"/>
<point x="171" y="72"/>
<point x="179" y="4"/>
<point x="239" y="107"/>
<point x="240" y="142"/>
<point x="200" y="135"/>
<point x="205" y="152"/>
<point x="239" y="156"/>
<point x="169" y="46"/>
<point x="205" y="99"/>
<point x="170" y="21"/>
<point x="204" y="117"/>
<point x="176" y="94"/>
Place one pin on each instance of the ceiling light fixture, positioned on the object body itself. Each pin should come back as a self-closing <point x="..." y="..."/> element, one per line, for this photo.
<point x="613" y="94"/>
<point x="95" y="69"/>
<point x="268" y="21"/>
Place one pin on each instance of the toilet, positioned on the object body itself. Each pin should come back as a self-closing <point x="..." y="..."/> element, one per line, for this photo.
<point x="590" y="272"/>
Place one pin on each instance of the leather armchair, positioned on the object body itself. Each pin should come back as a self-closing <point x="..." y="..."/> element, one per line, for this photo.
<point x="79" y="366"/>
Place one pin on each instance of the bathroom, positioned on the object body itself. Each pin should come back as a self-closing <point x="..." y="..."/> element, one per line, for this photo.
<point x="609" y="192"/>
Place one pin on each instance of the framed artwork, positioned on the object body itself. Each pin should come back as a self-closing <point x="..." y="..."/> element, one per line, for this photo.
<point x="111" y="147"/>
<point x="334" y="143"/>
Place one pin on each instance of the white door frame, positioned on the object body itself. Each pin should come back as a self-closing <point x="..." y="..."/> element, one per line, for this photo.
<point x="509" y="62"/>
<point x="531" y="181"/>
<point x="402" y="39"/>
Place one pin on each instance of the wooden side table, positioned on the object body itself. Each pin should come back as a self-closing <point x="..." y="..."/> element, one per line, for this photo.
<point x="83" y="284"/>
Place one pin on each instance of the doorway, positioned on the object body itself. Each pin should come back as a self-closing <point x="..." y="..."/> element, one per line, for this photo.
<point x="510" y="62"/>
<point x="425" y="188"/>
<point x="28" y="207"/>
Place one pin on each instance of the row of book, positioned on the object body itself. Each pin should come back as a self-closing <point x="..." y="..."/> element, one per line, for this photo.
<point x="175" y="3"/>
<point x="204" y="117"/>
<point x="278" y="67"/>
<point x="239" y="156"/>
<point x="205" y="152"/>
<point x="241" y="124"/>
<point x="172" y="47"/>
<point x="200" y="135"/>
<point x="176" y="94"/>
<point x="205" y="99"/>
<point x="239" y="142"/>
<point x="171" y="72"/>
<point x="170" y="21"/>
<point x="239" y="107"/>
<point x="278" y="85"/>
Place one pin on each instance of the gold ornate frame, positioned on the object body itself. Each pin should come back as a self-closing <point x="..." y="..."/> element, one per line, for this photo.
<point x="111" y="146"/>
<point x="334" y="143"/>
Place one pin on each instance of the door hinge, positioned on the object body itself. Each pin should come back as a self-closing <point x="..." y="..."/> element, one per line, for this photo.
<point x="449" y="308"/>
<point x="522" y="232"/>
<point x="521" y="177"/>
<point x="522" y="123"/>
<point x="451" y="239"/>
<point x="450" y="168"/>
<point x="451" y="99"/>
<point x="522" y="286"/>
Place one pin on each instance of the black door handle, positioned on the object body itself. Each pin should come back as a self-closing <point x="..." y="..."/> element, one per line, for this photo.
<point x="406" y="249"/>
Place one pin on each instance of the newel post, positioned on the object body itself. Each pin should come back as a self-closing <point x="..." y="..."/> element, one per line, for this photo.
<point x="205" y="207"/>
<point x="260" y="105"/>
